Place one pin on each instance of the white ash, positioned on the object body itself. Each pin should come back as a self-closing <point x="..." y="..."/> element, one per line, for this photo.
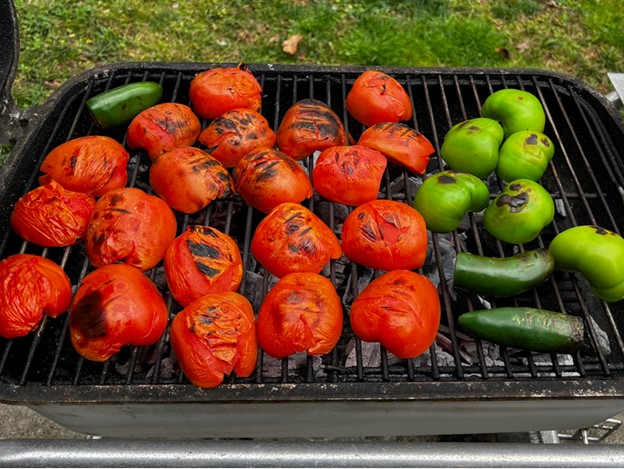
<point x="297" y="365"/>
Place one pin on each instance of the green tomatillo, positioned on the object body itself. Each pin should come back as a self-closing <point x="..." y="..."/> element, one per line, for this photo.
<point x="595" y="252"/>
<point x="520" y="212"/>
<point x="516" y="110"/>
<point x="524" y="155"/>
<point x="444" y="198"/>
<point x="472" y="146"/>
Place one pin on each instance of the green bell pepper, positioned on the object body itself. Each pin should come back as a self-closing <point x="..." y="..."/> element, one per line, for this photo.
<point x="595" y="252"/>
<point x="472" y="146"/>
<point x="444" y="198"/>
<point x="516" y="110"/>
<point x="524" y="155"/>
<point x="520" y="212"/>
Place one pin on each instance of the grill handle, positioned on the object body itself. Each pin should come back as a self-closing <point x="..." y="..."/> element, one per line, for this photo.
<point x="9" y="55"/>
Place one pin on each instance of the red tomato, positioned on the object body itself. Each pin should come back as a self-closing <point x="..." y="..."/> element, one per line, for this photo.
<point x="236" y="133"/>
<point x="386" y="235"/>
<point x="216" y="91"/>
<point x="116" y="305"/>
<point x="292" y="239"/>
<point x="215" y="336"/>
<point x="266" y="178"/>
<point x="400" y="144"/>
<point x="377" y="97"/>
<point x="162" y="128"/>
<point x="301" y="313"/>
<point x="189" y="179"/>
<point x="202" y="260"/>
<point x="131" y="226"/>
<point x="309" y="125"/>
<point x="349" y="175"/>
<point x="30" y="287"/>
<point x="92" y="164"/>
<point x="400" y="310"/>
<point x="52" y="216"/>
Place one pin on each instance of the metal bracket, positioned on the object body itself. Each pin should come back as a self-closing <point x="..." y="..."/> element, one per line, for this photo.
<point x="616" y="97"/>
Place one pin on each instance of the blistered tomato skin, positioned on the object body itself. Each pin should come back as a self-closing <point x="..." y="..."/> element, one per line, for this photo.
<point x="130" y="226"/>
<point x="301" y="313"/>
<point x="189" y="179"/>
<point x="293" y="239"/>
<point x="115" y="305"/>
<point x="216" y="91"/>
<point x="385" y="235"/>
<point x="30" y="287"/>
<point x="93" y="164"/>
<point x="52" y="216"/>
<point x="215" y="336"/>
<point x="202" y="260"/>
<point x="162" y="128"/>
<point x="236" y="133"/>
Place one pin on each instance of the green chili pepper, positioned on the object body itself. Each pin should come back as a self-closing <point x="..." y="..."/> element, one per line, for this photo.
<point x="444" y="198"/>
<point x="516" y="110"/>
<point x="595" y="252"/>
<point x="120" y="105"/>
<point x="472" y="146"/>
<point x="526" y="328"/>
<point x="520" y="212"/>
<point x="524" y="155"/>
<point x="502" y="276"/>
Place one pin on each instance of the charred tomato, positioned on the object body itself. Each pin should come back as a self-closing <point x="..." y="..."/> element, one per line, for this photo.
<point x="236" y="133"/>
<point x="189" y="179"/>
<point x="265" y="178"/>
<point x="215" y="336"/>
<point x="301" y="313"/>
<point x="293" y="239"/>
<point x="309" y="125"/>
<point x="385" y="235"/>
<point x="93" y="164"/>
<point x="130" y="226"/>
<point x="162" y="128"/>
<point x="52" y="216"/>
<point x="216" y="91"/>
<point x="115" y="305"/>
<point x="349" y="175"/>
<point x="400" y="310"/>
<point x="31" y="287"/>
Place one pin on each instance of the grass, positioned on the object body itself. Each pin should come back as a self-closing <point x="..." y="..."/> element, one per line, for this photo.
<point x="60" y="38"/>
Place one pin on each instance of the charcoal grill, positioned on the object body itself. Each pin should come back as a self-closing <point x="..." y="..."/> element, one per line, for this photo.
<point x="459" y="386"/>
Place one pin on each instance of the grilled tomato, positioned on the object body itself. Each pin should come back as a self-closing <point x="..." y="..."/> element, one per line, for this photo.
<point x="376" y="97"/>
<point x="92" y="164"/>
<point x="162" y="128"/>
<point x="400" y="144"/>
<point x="52" y="216"/>
<point x="131" y="226"/>
<point x="115" y="305"/>
<point x="309" y="125"/>
<point x="266" y="178"/>
<point x="202" y="260"/>
<point x="400" y="310"/>
<point x="385" y="235"/>
<point x="293" y="239"/>
<point x="301" y="313"/>
<point x="216" y="91"/>
<point x="236" y="133"/>
<point x="349" y="175"/>
<point x="31" y="286"/>
<point x="189" y="179"/>
<point x="215" y="336"/>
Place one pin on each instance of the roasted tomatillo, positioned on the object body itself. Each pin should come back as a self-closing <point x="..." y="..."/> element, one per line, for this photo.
<point x="524" y="155"/>
<point x="516" y="110"/>
<point x="520" y="212"/>
<point x="595" y="252"/>
<point x="444" y="199"/>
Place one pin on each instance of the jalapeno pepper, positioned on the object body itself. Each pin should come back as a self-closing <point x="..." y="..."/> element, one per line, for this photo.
<point x="516" y="110"/>
<point x="520" y="212"/>
<point x="472" y="146"/>
<point x="524" y="155"/>
<point x="595" y="252"/>
<point x="444" y="199"/>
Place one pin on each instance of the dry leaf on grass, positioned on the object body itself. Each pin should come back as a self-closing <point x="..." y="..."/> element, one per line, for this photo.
<point x="290" y="45"/>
